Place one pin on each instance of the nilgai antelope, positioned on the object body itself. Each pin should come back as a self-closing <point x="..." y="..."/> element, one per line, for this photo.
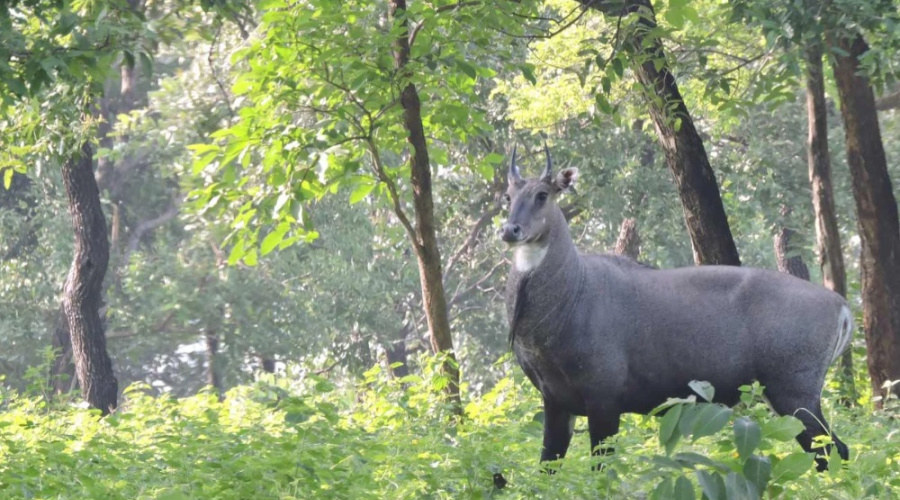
<point x="601" y="335"/>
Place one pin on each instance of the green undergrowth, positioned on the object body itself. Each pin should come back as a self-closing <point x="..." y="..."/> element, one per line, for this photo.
<point x="383" y="438"/>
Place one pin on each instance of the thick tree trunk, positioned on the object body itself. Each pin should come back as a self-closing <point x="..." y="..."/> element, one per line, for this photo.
<point x="704" y="212"/>
<point x="425" y="240"/>
<point x="828" y="238"/>
<point x="876" y="211"/>
<point x="629" y="242"/>
<point x="84" y="284"/>
<point x="267" y="362"/>
<point x="395" y="352"/>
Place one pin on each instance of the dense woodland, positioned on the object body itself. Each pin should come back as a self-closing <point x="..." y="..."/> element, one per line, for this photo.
<point x="249" y="249"/>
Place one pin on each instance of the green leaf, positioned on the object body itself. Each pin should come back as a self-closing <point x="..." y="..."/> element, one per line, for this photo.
<point x="834" y="463"/>
<point x="528" y="73"/>
<point x="710" y="419"/>
<point x="792" y="466"/>
<point x="737" y="487"/>
<point x="668" y="428"/>
<point x="747" y="435"/>
<point x="146" y="64"/>
<point x="201" y="162"/>
<point x="467" y="68"/>
<point x="282" y="200"/>
<point x="237" y="252"/>
<point x="675" y="17"/>
<point x="758" y="470"/>
<point x="618" y="67"/>
<point x="664" y="490"/>
<point x="688" y="417"/>
<point x="274" y="238"/>
<point x="7" y="178"/>
<point x="691" y="459"/>
<point x="684" y="490"/>
<point x="361" y="191"/>
<point x="250" y="258"/>
<point x="782" y="428"/>
<point x="712" y="484"/>
<point x="703" y="388"/>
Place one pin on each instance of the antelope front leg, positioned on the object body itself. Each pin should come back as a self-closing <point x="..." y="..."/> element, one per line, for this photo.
<point x="602" y="425"/>
<point x="558" y="427"/>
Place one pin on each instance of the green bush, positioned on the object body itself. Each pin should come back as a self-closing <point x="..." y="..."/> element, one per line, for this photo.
<point x="384" y="438"/>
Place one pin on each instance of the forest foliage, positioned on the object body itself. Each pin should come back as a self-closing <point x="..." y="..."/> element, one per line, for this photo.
<point x="246" y="153"/>
<point x="386" y="437"/>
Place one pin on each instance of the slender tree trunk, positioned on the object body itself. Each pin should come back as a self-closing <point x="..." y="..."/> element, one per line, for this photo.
<point x="876" y="211"/>
<point x="424" y="240"/>
<point x="828" y="238"/>
<point x="213" y="373"/>
<point x="629" y="242"/>
<point x="62" y="371"/>
<point x="704" y="212"/>
<point x="81" y="295"/>
<point x="787" y="263"/>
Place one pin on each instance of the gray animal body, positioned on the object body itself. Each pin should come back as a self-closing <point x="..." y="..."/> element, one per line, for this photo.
<point x="602" y="335"/>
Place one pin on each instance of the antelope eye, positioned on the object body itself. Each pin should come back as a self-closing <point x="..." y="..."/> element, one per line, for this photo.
<point x="542" y="196"/>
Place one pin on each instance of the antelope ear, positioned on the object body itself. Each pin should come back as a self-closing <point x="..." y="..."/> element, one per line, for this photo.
<point x="565" y="179"/>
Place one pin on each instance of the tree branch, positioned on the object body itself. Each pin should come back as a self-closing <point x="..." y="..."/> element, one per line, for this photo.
<point x="378" y="167"/>
<point x="210" y="58"/>
<point x="890" y="101"/>
<point x="472" y="240"/>
<point x="459" y="295"/>
<point x="149" y="225"/>
<point x="444" y="8"/>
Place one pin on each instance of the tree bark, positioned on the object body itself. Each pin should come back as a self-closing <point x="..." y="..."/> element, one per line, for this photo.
<point x="84" y="284"/>
<point x="213" y="375"/>
<point x="876" y="211"/>
<point x="686" y="157"/>
<point x="267" y="362"/>
<point x="395" y="352"/>
<point x="787" y="263"/>
<point x="828" y="238"/>
<point x="424" y="239"/>
<point x="629" y="242"/>
<point x="62" y="370"/>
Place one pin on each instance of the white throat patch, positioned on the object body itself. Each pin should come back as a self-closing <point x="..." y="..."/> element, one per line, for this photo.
<point x="528" y="256"/>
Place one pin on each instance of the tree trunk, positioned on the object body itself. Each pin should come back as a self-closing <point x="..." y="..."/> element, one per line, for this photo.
<point x="424" y="239"/>
<point x="267" y="362"/>
<point x="84" y="284"/>
<point x="828" y="238"/>
<point x="876" y="211"/>
<point x="213" y="376"/>
<point x="629" y="242"/>
<point x="787" y="263"/>
<point x="704" y="212"/>
<point x="62" y="371"/>
<point x="395" y="352"/>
